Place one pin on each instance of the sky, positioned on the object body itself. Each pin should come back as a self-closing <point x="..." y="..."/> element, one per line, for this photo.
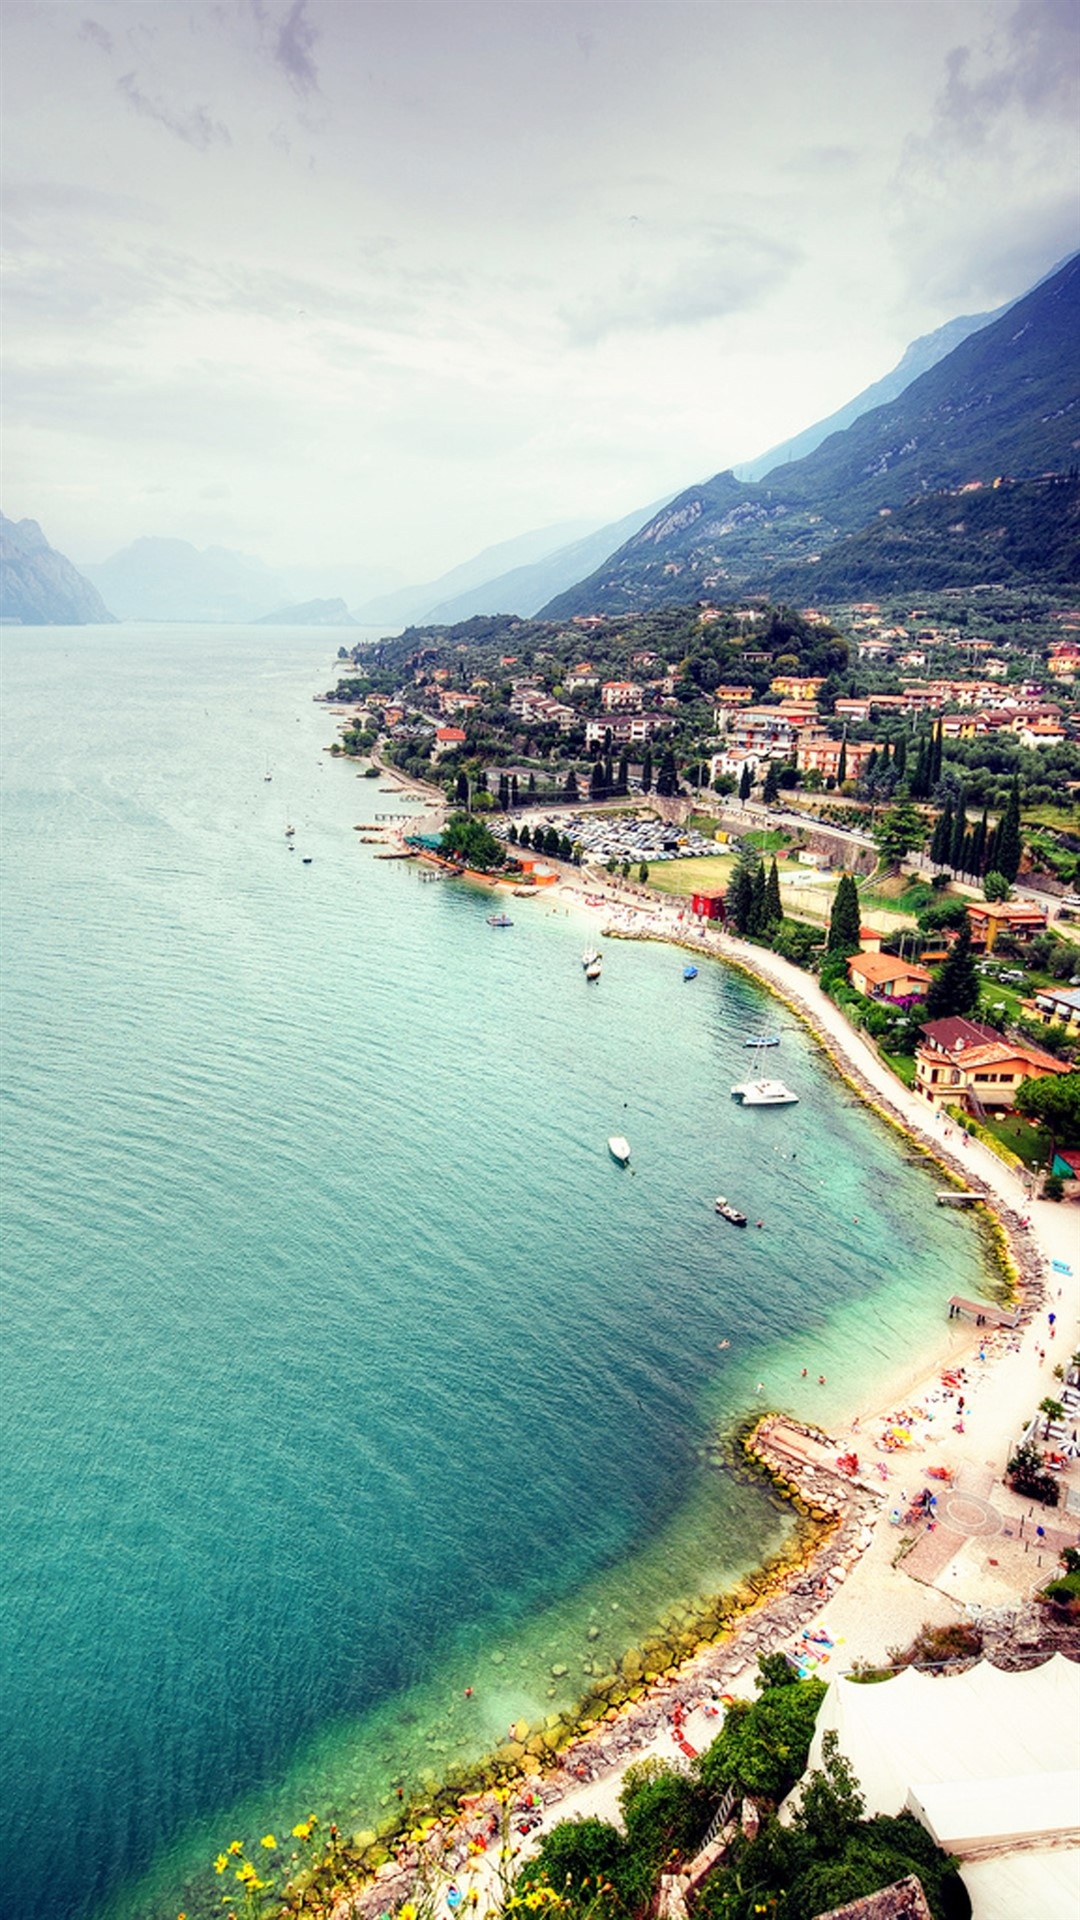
<point x="327" y="281"/>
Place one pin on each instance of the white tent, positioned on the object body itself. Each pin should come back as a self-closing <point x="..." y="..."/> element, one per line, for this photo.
<point x="984" y="1758"/>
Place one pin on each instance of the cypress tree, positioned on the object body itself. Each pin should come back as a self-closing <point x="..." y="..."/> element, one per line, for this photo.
<point x="1009" y="845"/>
<point x="525" y="837"/>
<point x="935" y="763"/>
<point x="667" y="779"/>
<point x="504" y="792"/>
<point x="596" y="781"/>
<point x="773" y="908"/>
<point x="623" y="782"/>
<point x="967" y="857"/>
<point x="871" y="765"/>
<point x="841" y="765"/>
<point x="739" y="900"/>
<point x="646" y="770"/>
<point x="978" y="845"/>
<point x="570" y="790"/>
<point x="845" y="918"/>
<point x="758" y="901"/>
<point x="941" y="844"/>
<point x="956" y="851"/>
<point x="900" y="755"/>
<point x="771" y="790"/>
<point x="744" y="781"/>
<point x="990" y="864"/>
<point x="955" y="988"/>
<point x="609" y="772"/>
<point x="513" y="789"/>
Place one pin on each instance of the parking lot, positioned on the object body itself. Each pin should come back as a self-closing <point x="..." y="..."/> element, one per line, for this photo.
<point x="620" y="837"/>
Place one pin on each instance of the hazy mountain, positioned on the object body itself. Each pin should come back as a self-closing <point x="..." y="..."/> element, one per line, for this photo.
<point x="351" y="581"/>
<point x="410" y="605"/>
<point x="310" y="613"/>
<point x="40" y="587"/>
<point x="918" y="358"/>
<point x="1005" y="401"/>
<point x="525" y="589"/>
<point x="162" y="579"/>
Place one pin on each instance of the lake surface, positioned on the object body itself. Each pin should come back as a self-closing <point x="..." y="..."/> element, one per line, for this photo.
<point x="343" y="1368"/>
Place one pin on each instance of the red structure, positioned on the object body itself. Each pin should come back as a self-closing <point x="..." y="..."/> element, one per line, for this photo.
<point x="709" y="906"/>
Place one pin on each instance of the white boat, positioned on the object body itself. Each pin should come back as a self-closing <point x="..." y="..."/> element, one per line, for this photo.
<point x="764" y="1093"/>
<point x="729" y="1212"/>
<point x="619" y="1149"/>
<point x="592" y="971"/>
<point x="590" y="956"/>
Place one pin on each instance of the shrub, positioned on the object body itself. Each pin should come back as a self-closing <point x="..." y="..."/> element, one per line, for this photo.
<point x="1028" y="1476"/>
<point x="762" y="1748"/>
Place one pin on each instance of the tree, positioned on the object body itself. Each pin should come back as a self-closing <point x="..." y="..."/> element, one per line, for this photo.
<point x="762" y="1747"/>
<point x="955" y="987"/>
<point x="739" y="899"/>
<point x="597" y="789"/>
<point x="832" y="1804"/>
<point x="771" y="790"/>
<point x="956" y="851"/>
<point x="622" y="781"/>
<point x="525" y="837"/>
<point x="758" y="909"/>
<point x="899" y="829"/>
<point x="570" y="790"/>
<point x="774" y="910"/>
<point x="464" y="838"/>
<point x="1008" y="845"/>
<point x="845" y="918"/>
<point x="643" y="874"/>
<point x="941" y="844"/>
<point x="841" y="765"/>
<point x="745" y="781"/>
<point x="646" y="770"/>
<point x="461" y="789"/>
<point x="667" y="780"/>
<point x="995" y="886"/>
<point x="1054" y="1101"/>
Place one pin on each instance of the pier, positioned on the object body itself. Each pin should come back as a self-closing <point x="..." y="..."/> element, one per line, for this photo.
<point x="983" y="1314"/>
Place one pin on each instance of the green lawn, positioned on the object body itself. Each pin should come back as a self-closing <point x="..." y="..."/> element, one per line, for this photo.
<point x="709" y="874"/>
<point x="1061" y="819"/>
<point x="903" y="1065"/>
<point x="1020" y="1137"/>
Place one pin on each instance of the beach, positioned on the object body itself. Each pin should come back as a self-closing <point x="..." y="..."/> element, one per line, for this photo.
<point x="878" y="1576"/>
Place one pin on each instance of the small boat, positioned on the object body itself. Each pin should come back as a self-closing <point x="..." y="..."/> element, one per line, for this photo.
<point x="689" y="973"/>
<point x="308" y="859"/>
<point x="764" y="1093"/>
<point x="619" y="1149"/>
<point x="593" y="970"/>
<point x="590" y="956"/>
<point x="763" y="1040"/>
<point x="729" y="1212"/>
<point x="499" y="920"/>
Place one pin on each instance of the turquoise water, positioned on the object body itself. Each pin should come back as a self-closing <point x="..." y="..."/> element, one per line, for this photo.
<point x="343" y="1368"/>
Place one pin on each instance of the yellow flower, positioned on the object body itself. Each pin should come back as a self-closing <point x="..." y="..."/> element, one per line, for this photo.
<point x="246" y="1873"/>
<point x="221" y="1863"/>
<point x="236" y="1846"/>
<point x="302" y="1830"/>
<point x="268" y="1840"/>
<point x="407" y="1912"/>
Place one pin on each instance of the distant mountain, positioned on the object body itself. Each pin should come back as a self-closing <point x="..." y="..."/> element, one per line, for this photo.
<point x="918" y="358"/>
<point x="38" y="586"/>
<point x="162" y="579"/>
<point x="412" y="605"/>
<point x="1005" y="401"/>
<point x="524" y="590"/>
<point x="310" y="613"/>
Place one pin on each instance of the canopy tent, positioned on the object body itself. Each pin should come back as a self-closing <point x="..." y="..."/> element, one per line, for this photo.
<point x="984" y="1758"/>
<point x="1043" y="1881"/>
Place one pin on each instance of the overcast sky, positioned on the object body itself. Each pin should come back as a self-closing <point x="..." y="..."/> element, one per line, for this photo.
<point x="329" y="281"/>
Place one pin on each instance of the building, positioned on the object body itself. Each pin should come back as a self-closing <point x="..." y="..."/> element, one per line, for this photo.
<point x="817" y="753"/>
<point x="960" y="1063"/>
<point x="708" y="906"/>
<point x="797" y="686"/>
<point x="448" y="740"/>
<point x="1056" y="1006"/>
<point x="733" y="696"/>
<point x="620" y="696"/>
<point x="881" y="976"/>
<point x="626" y="729"/>
<point x="991" y="918"/>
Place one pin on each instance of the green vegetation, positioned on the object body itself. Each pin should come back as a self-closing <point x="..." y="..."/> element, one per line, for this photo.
<point x="471" y="842"/>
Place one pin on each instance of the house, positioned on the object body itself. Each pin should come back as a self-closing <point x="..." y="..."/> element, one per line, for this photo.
<point x="620" y="696"/>
<point x="448" y="740"/>
<point x="817" y="753"/>
<point x="990" y="918"/>
<point x="708" y="906"/>
<point x="1056" y="1005"/>
<point x="881" y="976"/>
<point x="798" y="686"/>
<point x="626" y="729"/>
<point x="961" y="1063"/>
<point x="733" y="696"/>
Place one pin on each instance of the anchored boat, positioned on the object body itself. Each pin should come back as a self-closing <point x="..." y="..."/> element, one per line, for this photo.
<point x="764" y="1093"/>
<point x="729" y="1212"/>
<point x="619" y="1149"/>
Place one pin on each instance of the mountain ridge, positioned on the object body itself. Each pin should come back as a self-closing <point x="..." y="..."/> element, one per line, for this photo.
<point x="41" y="587"/>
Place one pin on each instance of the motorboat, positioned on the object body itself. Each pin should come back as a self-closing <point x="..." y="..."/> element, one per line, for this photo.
<point x="590" y="956"/>
<point x="619" y="1149"/>
<point x="764" y="1093"/>
<point x="307" y="859"/>
<point x="593" y="970"/>
<point x="729" y="1212"/>
<point x="763" y="1040"/>
<point x="689" y="973"/>
<point x="499" y="920"/>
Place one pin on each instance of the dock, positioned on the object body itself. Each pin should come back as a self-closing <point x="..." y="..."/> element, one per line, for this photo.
<point x="957" y="1197"/>
<point x="983" y="1314"/>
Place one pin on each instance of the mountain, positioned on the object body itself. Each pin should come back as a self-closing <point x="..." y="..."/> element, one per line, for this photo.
<point x="38" y="586"/>
<point x="162" y="579"/>
<point x="918" y="358"/>
<point x="1006" y="401"/>
<point x="410" y="605"/>
<point x="310" y="613"/>
<point x="524" y="589"/>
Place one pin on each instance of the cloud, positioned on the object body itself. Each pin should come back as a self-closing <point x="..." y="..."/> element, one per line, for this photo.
<point x="295" y="41"/>
<point x="730" y="270"/>
<point x="97" y="35"/>
<point x="196" y="129"/>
